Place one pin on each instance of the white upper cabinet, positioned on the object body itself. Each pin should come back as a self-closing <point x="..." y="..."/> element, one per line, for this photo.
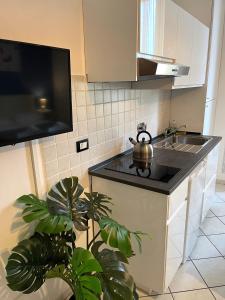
<point x="170" y="29"/>
<point x="115" y="31"/>
<point x="110" y="38"/>
<point x="192" y="50"/>
<point x="151" y="27"/>
<point x="158" y="28"/>
<point x="184" y="44"/>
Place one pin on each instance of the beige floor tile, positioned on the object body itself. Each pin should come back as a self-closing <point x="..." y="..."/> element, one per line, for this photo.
<point x="212" y="226"/>
<point x="218" y="209"/>
<point x="212" y="270"/>
<point x="194" y="295"/>
<point x="219" y="292"/>
<point x="222" y="219"/>
<point x="144" y="294"/>
<point x="219" y="241"/>
<point x="160" y="297"/>
<point x="210" y="214"/>
<point x="187" y="278"/>
<point x="204" y="249"/>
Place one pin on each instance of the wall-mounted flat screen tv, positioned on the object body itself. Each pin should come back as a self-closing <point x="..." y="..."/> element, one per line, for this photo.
<point x="35" y="92"/>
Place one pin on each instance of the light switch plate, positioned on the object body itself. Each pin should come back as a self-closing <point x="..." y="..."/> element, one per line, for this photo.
<point x="82" y="145"/>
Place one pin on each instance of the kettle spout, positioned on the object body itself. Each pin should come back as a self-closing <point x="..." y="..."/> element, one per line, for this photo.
<point x="132" y="141"/>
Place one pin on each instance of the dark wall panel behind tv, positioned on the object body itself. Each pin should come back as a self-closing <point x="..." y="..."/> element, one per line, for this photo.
<point x="35" y="92"/>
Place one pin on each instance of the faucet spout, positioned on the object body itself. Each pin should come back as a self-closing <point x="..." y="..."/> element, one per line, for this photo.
<point x="173" y="130"/>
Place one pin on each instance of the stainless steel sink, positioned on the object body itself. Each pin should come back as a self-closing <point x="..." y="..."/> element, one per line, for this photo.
<point x="185" y="143"/>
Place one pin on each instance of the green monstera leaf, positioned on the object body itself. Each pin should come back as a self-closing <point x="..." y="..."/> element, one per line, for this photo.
<point x="118" y="236"/>
<point x="81" y="275"/>
<point x="97" y="205"/>
<point x="32" y="258"/>
<point x="64" y="200"/>
<point x="117" y="283"/>
<point x="37" y="210"/>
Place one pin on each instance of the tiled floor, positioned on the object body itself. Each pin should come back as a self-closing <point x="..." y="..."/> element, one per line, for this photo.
<point x="202" y="277"/>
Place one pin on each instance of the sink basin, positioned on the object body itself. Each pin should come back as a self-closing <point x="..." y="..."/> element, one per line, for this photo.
<point x="189" y="140"/>
<point x="185" y="143"/>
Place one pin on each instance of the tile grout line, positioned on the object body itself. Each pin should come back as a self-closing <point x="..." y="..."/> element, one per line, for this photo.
<point x="213" y="234"/>
<point x="203" y="279"/>
<point x="215" y="247"/>
<point x="212" y="242"/>
<point x="171" y="293"/>
<point x="184" y="291"/>
<point x="218" y="217"/>
<point x="221" y="255"/>
<point x="220" y="198"/>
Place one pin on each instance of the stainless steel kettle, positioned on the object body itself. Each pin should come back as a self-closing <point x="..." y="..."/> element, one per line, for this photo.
<point x="143" y="150"/>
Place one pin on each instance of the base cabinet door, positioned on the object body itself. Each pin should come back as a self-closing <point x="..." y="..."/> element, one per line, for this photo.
<point x="210" y="181"/>
<point x="194" y="208"/>
<point x="175" y="242"/>
<point x="208" y="198"/>
<point x="211" y="165"/>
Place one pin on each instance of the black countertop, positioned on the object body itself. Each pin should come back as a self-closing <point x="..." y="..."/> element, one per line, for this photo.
<point x="184" y="161"/>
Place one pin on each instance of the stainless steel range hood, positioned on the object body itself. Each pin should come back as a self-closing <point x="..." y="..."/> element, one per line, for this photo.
<point x="149" y="67"/>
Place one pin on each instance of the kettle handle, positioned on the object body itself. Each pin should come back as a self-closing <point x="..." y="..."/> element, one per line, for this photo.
<point x="144" y="131"/>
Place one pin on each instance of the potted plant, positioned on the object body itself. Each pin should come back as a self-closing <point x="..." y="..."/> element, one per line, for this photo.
<point x="94" y="272"/>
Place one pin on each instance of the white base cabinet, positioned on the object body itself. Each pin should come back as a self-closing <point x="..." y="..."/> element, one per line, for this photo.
<point x="159" y="215"/>
<point x="175" y="243"/>
<point x="210" y="180"/>
<point x="194" y="208"/>
<point x="172" y="221"/>
<point x="208" y="198"/>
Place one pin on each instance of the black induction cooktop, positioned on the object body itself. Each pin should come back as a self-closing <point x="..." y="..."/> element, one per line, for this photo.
<point x="150" y="170"/>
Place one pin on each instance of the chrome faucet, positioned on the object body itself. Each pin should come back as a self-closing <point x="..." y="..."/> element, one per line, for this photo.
<point x="171" y="130"/>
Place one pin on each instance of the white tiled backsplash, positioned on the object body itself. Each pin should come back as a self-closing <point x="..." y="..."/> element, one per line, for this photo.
<point x="107" y="114"/>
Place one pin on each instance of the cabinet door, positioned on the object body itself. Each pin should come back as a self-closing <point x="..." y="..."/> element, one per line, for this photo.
<point x="211" y="165"/>
<point x="171" y="29"/>
<point x="194" y="208"/>
<point x="199" y="53"/>
<point x="152" y="27"/>
<point x="209" y="118"/>
<point x="210" y="180"/>
<point x="209" y="195"/>
<point x="175" y="243"/>
<point x="184" y="45"/>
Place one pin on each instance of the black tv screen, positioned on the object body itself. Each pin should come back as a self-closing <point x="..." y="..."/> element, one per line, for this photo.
<point x="35" y="92"/>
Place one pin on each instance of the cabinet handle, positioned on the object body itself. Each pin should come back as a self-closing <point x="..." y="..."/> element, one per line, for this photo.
<point x="174" y="70"/>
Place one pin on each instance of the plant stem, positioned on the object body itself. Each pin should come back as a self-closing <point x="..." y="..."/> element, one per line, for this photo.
<point x="87" y="237"/>
<point x="73" y="240"/>
<point x="92" y="241"/>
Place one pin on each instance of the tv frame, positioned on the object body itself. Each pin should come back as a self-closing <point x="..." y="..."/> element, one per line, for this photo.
<point x="57" y="132"/>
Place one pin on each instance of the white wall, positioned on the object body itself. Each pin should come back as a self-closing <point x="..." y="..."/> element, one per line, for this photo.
<point x="59" y="23"/>
<point x="220" y="115"/>
<point x="49" y="22"/>
<point x="16" y="179"/>
<point x="187" y="107"/>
